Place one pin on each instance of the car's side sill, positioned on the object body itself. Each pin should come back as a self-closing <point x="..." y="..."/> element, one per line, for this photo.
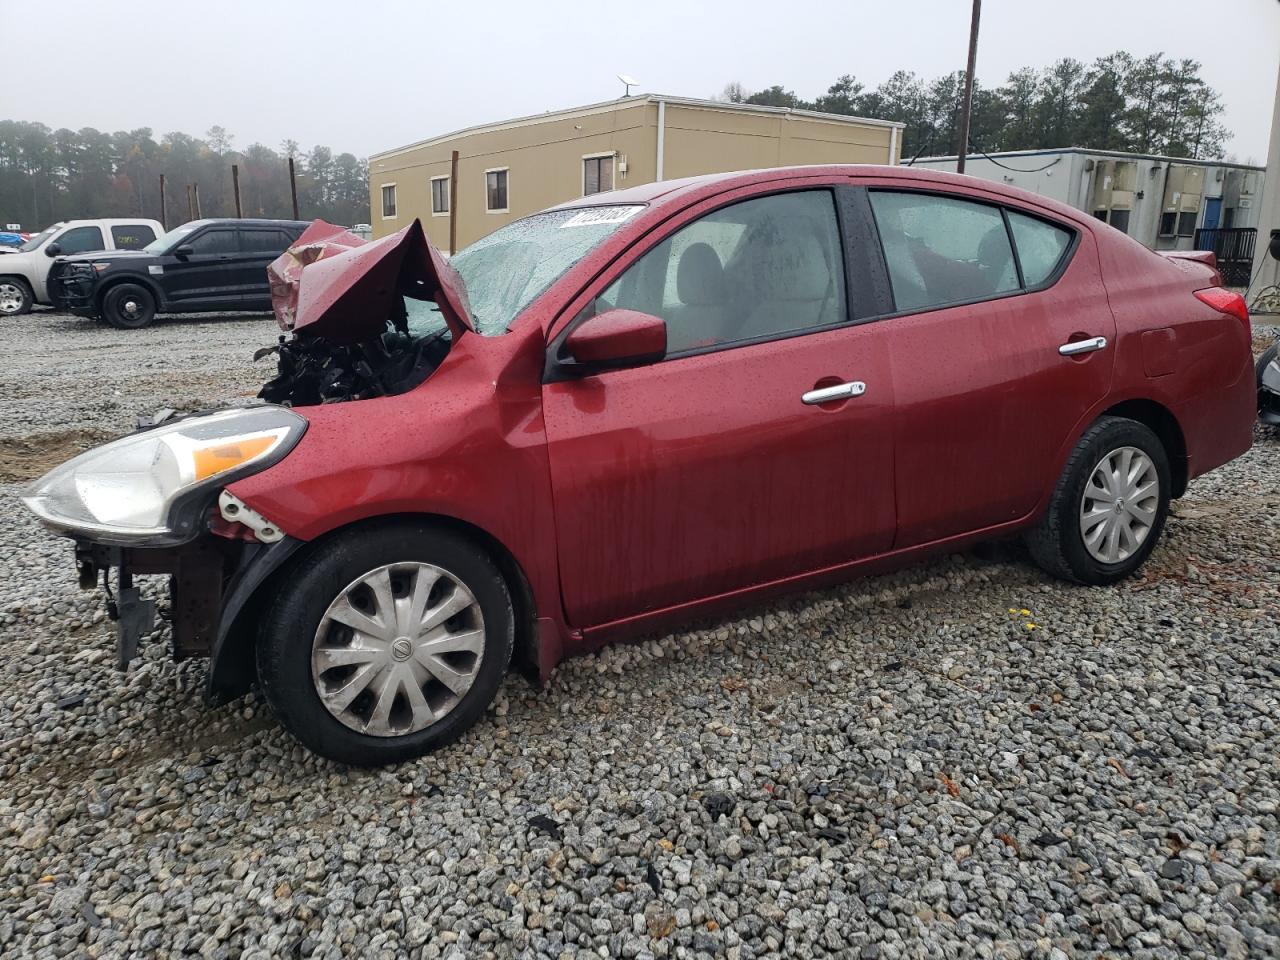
<point x="655" y="620"/>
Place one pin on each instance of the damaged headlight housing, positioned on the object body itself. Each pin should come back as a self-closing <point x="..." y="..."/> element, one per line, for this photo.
<point x="154" y="486"/>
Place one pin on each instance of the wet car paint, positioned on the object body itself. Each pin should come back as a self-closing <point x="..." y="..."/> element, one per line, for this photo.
<point x="572" y="478"/>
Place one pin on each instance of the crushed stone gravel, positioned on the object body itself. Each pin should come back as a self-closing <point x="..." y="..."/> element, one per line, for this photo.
<point x="962" y="759"/>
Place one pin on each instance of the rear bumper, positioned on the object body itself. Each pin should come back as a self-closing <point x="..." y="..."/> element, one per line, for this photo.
<point x="1218" y="426"/>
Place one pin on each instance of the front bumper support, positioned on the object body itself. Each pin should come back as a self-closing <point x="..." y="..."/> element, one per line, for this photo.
<point x="197" y="573"/>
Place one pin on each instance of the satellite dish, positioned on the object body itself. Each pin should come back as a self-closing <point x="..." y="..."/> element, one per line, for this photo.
<point x="628" y="81"/>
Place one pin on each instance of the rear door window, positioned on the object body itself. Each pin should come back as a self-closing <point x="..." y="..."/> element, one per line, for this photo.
<point x="264" y="241"/>
<point x="80" y="240"/>
<point x="1041" y="246"/>
<point x="131" y="236"/>
<point x="941" y="250"/>
<point x="215" y="242"/>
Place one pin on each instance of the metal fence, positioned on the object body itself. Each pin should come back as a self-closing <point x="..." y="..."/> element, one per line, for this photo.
<point x="1233" y="246"/>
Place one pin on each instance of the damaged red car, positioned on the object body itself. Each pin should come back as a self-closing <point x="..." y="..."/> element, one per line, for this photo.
<point x="646" y="406"/>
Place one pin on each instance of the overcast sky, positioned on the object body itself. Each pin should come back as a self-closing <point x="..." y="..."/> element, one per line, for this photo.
<point x="365" y="76"/>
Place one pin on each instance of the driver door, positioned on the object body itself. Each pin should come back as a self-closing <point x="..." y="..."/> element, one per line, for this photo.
<point x="709" y="471"/>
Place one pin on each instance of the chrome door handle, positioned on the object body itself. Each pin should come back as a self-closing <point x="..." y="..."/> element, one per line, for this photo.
<point x="1083" y="346"/>
<point x="841" y="391"/>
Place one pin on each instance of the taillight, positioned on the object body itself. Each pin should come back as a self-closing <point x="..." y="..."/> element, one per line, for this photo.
<point x="1226" y="301"/>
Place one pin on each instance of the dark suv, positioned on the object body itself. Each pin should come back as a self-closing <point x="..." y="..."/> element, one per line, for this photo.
<point x="204" y="265"/>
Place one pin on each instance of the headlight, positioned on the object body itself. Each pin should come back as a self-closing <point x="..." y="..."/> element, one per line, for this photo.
<point x="153" y="487"/>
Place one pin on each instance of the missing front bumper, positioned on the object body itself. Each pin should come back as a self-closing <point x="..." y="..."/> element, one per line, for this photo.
<point x="198" y="572"/>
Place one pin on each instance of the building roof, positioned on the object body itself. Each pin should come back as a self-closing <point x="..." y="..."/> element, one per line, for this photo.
<point x="1118" y="154"/>
<point x="608" y="105"/>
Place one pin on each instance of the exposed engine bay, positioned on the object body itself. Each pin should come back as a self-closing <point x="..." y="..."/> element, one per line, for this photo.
<point x="361" y="319"/>
<point x="314" y="370"/>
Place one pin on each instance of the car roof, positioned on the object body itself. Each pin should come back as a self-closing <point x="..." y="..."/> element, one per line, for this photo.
<point x="106" y="220"/>
<point x="247" y="222"/>
<point x="664" y="192"/>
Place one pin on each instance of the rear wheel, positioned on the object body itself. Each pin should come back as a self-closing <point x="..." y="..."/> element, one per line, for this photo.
<point x="386" y="643"/>
<point x="15" y="296"/>
<point x="1109" y="506"/>
<point x="128" y="306"/>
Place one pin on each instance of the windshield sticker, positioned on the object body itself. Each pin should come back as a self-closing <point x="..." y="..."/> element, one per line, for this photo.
<point x="601" y="215"/>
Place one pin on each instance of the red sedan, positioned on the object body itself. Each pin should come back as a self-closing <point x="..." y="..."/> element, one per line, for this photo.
<point x="650" y="405"/>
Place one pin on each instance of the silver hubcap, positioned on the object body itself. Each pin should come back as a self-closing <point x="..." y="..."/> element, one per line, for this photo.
<point x="1119" y="505"/>
<point x="130" y="309"/>
<point x="10" y="298"/>
<point x="398" y="649"/>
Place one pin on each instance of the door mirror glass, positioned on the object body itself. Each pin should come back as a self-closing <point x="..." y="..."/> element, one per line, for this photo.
<point x="52" y="250"/>
<point x="183" y="250"/>
<point x="1274" y="247"/>
<point x="618" y="338"/>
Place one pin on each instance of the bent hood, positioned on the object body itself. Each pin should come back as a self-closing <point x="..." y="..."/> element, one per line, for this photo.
<point x="333" y="284"/>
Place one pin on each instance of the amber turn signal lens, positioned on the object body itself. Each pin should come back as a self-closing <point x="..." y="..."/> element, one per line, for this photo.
<point x="210" y="461"/>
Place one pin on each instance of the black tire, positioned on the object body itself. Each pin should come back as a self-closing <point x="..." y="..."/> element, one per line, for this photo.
<point x="288" y="635"/>
<point x="16" y="297"/>
<point x="128" y="306"/>
<point x="1268" y="402"/>
<point x="1057" y="543"/>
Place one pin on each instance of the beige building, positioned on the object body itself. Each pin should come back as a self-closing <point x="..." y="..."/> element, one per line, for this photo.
<point x="1266" y="268"/>
<point x="511" y="169"/>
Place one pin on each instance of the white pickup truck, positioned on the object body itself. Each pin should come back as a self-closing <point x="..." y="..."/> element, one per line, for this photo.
<point x="24" y="270"/>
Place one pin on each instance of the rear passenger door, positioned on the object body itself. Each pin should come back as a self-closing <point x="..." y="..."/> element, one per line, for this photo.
<point x="259" y="246"/>
<point x="980" y="299"/>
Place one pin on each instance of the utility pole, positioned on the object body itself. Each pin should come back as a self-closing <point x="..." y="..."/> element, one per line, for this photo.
<point x="235" y="186"/>
<point x="293" y="187"/>
<point x="164" y="220"/>
<point x="966" y="109"/>
<point x="195" y="191"/>
<point x="191" y="207"/>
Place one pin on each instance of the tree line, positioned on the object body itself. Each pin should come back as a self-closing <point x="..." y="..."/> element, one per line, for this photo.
<point x="50" y="175"/>
<point x="1153" y="104"/>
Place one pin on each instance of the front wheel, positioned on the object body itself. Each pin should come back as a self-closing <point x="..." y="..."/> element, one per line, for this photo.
<point x="128" y="306"/>
<point x="386" y="643"/>
<point x="1109" y="506"/>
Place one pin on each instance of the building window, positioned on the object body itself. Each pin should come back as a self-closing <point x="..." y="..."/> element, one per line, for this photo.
<point x="388" y="201"/>
<point x="495" y="190"/>
<point x="1120" y="220"/>
<point x="439" y="195"/>
<point x="1187" y="223"/>
<point x="1168" y="223"/>
<point x="1101" y="214"/>
<point x="597" y="174"/>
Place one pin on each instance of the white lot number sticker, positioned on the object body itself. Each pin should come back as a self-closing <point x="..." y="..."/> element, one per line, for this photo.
<point x="601" y="215"/>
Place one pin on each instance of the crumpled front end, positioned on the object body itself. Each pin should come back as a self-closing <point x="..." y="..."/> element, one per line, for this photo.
<point x="362" y="320"/>
<point x="367" y="319"/>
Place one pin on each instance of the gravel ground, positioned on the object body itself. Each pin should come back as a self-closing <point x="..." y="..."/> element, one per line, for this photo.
<point x="964" y="759"/>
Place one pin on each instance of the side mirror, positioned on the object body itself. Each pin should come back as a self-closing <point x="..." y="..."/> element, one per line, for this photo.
<point x="618" y="338"/>
<point x="52" y="250"/>
<point x="185" y="250"/>
<point x="1274" y="247"/>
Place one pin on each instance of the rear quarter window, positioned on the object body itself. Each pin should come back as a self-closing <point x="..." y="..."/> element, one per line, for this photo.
<point x="132" y="236"/>
<point x="1041" y="247"/>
